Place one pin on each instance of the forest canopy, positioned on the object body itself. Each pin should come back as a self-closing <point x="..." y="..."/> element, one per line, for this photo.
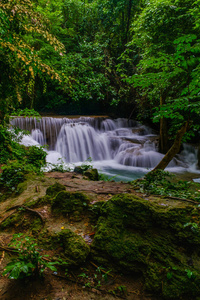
<point x="141" y="58"/>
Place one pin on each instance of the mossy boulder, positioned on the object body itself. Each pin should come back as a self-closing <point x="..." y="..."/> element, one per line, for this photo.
<point x="70" y="204"/>
<point x="79" y="170"/>
<point x="157" y="241"/>
<point x="92" y="174"/>
<point x="75" y="249"/>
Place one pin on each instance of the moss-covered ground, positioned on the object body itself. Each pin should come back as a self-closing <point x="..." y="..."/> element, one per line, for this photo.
<point x="116" y="242"/>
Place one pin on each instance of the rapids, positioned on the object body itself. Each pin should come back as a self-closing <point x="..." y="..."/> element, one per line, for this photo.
<point x="116" y="147"/>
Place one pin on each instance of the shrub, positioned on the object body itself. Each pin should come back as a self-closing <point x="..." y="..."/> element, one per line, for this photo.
<point x="29" y="263"/>
<point x="163" y="183"/>
<point x="36" y="156"/>
<point x="13" y="174"/>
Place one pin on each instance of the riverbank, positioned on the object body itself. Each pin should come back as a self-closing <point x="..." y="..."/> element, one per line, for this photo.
<point x="143" y="243"/>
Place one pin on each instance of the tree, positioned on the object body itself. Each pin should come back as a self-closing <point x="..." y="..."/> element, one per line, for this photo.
<point x="94" y="34"/>
<point x="168" y="71"/>
<point x="19" y="60"/>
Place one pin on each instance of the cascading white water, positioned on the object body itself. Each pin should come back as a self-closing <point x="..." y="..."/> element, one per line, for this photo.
<point x="78" y="142"/>
<point x="38" y="136"/>
<point x="110" y="143"/>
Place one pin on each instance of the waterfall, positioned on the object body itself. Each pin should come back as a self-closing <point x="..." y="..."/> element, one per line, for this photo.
<point x="77" y="142"/>
<point x="108" y="142"/>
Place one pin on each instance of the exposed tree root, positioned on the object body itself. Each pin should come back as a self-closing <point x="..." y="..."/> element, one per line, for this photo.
<point x="32" y="211"/>
<point x="2" y="257"/>
<point x="8" y="249"/>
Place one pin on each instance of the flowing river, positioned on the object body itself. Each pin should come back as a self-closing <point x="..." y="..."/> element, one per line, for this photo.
<point x="121" y="148"/>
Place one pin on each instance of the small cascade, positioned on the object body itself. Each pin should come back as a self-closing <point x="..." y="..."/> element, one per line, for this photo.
<point x="38" y="136"/>
<point x="189" y="156"/>
<point x="118" y="142"/>
<point x="77" y="142"/>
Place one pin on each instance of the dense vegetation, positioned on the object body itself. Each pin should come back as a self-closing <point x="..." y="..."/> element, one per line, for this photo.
<point x="83" y="57"/>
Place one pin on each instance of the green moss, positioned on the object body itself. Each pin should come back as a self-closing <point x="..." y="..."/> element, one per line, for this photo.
<point x="33" y="202"/>
<point x="40" y="202"/>
<point x="51" y="192"/>
<point x="74" y="250"/>
<point x="95" y="211"/>
<point x="92" y="174"/>
<point x="136" y="235"/>
<point x="79" y="170"/>
<point x="54" y="189"/>
<point x="23" y="221"/>
<point x="36" y="226"/>
<point x="21" y="187"/>
<point x="11" y="221"/>
<point x="70" y="203"/>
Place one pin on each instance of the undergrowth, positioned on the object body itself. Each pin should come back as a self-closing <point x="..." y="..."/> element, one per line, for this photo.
<point x="17" y="160"/>
<point x="29" y="262"/>
<point x="164" y="183"/>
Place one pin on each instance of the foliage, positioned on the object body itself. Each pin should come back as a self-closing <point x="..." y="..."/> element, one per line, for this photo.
<point x="86" y="165"/>
<point x="15" y="172"/>
<point x="94" y="34"/>
<point x="30" y="262"/>
<point x="105" y="177"/>
<point x="12" y="150"/>
<point x="20" y="63"/>
<point x="36" y="156"/>
<point x="166" y="76"/>
<point x="9" y="147"/>
<point x="161" y="182"/>
<point x="12" y="175"/>
<point x="26" y="113"/>
<point x="98" y="278"/>
<point x="121" y="289"/>
<point x="60" y="167"/>
<point x="19" y="160"/>
<point x="101" y="55"/>
<point x="193" y="226"/>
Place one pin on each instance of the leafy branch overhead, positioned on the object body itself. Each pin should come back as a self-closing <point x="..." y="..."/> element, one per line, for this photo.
<point x="19" y="26"/>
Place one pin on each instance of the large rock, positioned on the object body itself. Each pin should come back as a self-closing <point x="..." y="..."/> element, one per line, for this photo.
<point x="158" y="240"/>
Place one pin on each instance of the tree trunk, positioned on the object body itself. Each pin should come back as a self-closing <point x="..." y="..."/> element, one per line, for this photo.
<point x="164" y="140"/>
<point x="174" y="149"/>
<point x="128" y="20"/>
